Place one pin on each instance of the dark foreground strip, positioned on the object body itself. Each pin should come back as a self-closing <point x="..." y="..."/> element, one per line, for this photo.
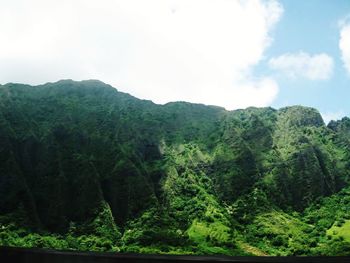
<point x="10" y="254"/>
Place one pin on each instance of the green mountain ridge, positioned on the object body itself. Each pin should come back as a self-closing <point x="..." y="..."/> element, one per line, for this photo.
<point x="86" y="167"/>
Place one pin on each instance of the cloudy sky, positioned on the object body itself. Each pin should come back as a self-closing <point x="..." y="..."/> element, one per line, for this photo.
<point x="231" y="53"/>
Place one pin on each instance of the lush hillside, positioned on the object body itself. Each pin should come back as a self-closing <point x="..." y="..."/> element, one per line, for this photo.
<point x="83" y="166"/>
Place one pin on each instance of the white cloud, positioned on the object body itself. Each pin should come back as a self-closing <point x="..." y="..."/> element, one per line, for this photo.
<point x="301" y="64"/>
<point x="344" y="44"/>
<point x="163" y="50"/>
<point x="328" y="116"/>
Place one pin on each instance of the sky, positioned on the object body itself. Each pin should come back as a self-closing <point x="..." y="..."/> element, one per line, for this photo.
<point x="230" y="53"/>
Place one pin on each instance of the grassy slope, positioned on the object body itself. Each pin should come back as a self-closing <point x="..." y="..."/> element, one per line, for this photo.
<point x="340" y="230"/>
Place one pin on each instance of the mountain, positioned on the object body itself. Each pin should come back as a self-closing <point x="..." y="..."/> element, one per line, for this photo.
<point x="84" y="166"/>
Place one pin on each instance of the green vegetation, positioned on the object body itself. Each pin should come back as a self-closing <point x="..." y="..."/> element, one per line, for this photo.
<point x="85" y="167"/>
<point x="341" y="230"/>
<point x="278" y="233"/>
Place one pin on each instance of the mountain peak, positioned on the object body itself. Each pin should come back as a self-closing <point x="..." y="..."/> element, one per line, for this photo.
<point x="301" y="116"/>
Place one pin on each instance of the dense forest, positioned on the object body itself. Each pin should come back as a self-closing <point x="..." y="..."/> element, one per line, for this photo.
<point x="86" y="167"/>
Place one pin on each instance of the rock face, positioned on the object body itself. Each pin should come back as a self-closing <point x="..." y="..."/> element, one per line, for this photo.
<point x="69" y="148"/>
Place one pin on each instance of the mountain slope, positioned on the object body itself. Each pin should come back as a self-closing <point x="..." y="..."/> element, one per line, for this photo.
<point x="84" y="166"/>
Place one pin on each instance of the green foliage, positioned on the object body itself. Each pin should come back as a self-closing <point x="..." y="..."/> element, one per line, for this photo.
<point x="86" y="167"/>
<point x="279" y="233"/>
<point x="340" y="229"/>
<point x="11" y="235"/>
